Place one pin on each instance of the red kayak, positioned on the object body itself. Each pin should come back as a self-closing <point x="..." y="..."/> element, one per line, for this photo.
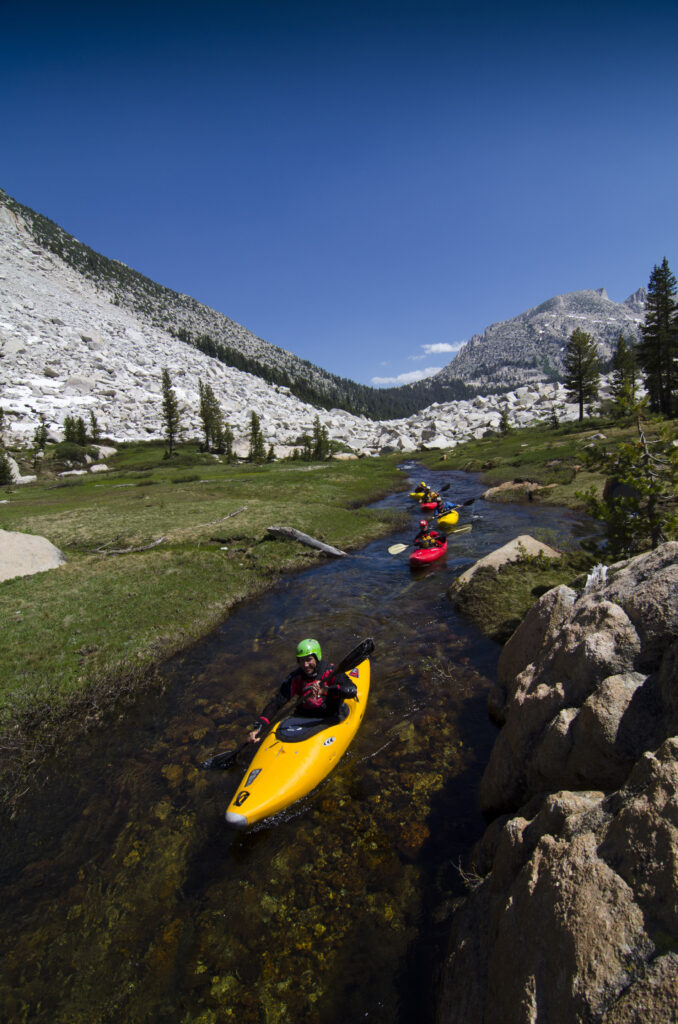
<point x="423" y="556"/>
<point x="428" y="505"/>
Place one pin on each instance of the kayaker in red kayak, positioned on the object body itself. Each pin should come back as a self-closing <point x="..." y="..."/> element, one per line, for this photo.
<point x="322" y="692"/>
<point x="427" y="538"/>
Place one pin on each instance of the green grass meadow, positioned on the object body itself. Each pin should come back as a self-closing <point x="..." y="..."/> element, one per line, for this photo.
<point x="107" y="616"/>
<point x="554" y="458"/>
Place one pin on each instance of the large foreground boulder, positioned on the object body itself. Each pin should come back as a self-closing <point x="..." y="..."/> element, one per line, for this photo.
<point x="572" y="914"/>
<point x="584" y="685"/>
<point x="22" y="554"/>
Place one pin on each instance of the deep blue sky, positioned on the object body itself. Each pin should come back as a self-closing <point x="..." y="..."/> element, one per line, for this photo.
<point x="352" y="181"/>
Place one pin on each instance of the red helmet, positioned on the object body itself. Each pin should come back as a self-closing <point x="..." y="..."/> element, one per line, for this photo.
<point x="423" y="523"/>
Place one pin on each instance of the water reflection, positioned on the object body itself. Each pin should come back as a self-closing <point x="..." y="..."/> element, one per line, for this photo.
<point x="131" y="900"/>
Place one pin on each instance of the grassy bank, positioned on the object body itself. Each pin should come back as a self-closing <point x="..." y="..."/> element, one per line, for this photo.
<point x="99" y="624"/>
<point x="555" y="460"/>
<point x="497" y="600"/>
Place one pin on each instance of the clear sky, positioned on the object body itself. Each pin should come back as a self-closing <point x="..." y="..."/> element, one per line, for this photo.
<point x="365" y="183"/>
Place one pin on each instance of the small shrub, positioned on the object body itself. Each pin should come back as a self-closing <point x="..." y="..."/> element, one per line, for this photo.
<point x="69" y="451"/>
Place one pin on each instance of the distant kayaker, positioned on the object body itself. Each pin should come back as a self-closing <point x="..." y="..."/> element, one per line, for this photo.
<point x="427" y="538"/>
<point x="321" y="692"/>
<point x="443" y="507"/>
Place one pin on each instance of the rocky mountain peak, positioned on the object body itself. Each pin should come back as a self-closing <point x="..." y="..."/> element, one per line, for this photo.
<point x="530" y="347"/>
<point x="637" y="301"/>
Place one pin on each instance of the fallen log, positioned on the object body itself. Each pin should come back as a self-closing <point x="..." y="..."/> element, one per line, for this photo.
<point x="288" y="533"/>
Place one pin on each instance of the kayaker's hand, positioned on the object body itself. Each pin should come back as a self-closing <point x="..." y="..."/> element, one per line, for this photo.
<point x="255" y="735"/>
<point x="314" y="690"/>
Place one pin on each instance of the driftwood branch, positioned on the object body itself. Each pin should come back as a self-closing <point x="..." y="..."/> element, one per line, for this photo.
<point x="288" y="533"/>
<point x="154" y="544"/>
<point x="126" y="551"/>
<point x="243" y="508"/>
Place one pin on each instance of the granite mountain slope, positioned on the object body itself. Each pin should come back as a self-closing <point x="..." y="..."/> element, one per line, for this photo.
<point x="79" y="333"/>
<point x="198" y="326"/>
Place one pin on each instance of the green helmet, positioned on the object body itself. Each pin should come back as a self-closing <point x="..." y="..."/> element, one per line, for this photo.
<point x="306" y="647"/>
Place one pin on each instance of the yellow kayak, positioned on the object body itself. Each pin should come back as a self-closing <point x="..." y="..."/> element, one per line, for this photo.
<point x="295" y="756"/>
<point x="450" y="518"/>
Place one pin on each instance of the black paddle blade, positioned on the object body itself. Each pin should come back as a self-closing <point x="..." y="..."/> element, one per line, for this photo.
<point x="358" y="654"/>
<point x="224" y="760"/>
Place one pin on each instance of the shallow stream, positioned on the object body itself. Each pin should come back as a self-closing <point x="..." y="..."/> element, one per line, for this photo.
<point x="128" y="899"/>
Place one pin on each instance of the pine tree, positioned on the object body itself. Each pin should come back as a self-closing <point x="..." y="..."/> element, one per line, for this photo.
<point x="205" y="412"/>
<point x="639" y="509"/>
<point x="80" y="432"/>
<point x="257" y="450"/>
<point x="658" y="347"/>
<point x="307" y="448"/>
<point x="40" y="435"/>
<point x="321" y="442"/>
<point x="94" y="431"/>
<point x="5" y="469"/>
<point x="70" y="429"/>
<point x="213" y="421"/>
<point x="170" y="413"/>
<point x="582" y="369"/>
<point x="623" y="382"/>
<point x="226" y="442"/>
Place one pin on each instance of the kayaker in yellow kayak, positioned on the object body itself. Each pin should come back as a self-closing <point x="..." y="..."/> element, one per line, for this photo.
<point x="322" y="691"/>
<point x="444" y="506"/>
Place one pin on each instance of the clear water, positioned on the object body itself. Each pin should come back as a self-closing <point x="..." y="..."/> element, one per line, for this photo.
<point x="128" y="899"/>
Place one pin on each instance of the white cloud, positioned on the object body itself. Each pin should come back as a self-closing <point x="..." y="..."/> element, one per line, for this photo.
<point x="441" y="346"/>
<point x="438" y="348"/>
<point x="407" y="378"/>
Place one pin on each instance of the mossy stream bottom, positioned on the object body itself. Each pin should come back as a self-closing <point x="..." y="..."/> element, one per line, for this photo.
<point x="128" y="898"/>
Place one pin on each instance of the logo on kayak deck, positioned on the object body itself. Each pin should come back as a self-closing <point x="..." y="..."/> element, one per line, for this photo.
<point x="354" y="672"/>
<point x="252" y="776"/>
<point x="241" y="797"/>
<point x="328" y="741"/>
